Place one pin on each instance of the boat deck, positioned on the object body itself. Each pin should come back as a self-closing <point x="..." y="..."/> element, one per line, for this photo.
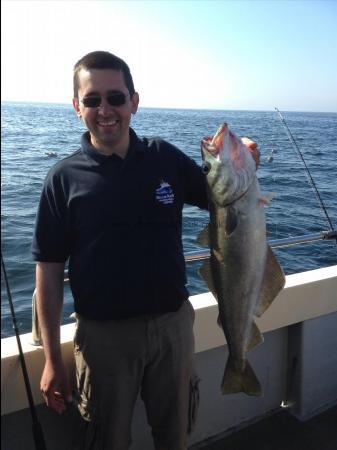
<point x="281" y="431"/>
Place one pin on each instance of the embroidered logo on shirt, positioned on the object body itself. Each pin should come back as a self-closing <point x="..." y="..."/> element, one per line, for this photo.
<point x="164" y="194"/>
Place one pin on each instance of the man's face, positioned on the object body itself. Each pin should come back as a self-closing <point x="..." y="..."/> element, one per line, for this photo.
<point x="108" y="125"/>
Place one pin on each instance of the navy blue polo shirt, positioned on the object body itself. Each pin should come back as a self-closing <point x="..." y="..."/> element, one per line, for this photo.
<point x="118" y="221"/>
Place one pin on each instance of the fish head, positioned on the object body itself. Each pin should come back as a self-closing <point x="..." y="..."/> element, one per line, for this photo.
<point x="211" y="150"/>
<point x="227" y="146"/>
<point x="228" y="165"/>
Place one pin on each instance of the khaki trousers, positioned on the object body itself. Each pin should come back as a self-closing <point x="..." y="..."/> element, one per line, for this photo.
<point x="117" y="359"/>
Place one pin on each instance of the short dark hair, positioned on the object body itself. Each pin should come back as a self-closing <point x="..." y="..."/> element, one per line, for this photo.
<point x="103" y="60"/>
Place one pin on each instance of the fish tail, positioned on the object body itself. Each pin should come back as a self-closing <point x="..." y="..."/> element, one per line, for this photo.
<point x="235" y="380"/>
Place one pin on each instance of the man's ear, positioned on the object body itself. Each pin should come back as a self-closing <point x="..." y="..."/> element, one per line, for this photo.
<point x="134" y="103"/>
<point x="77" y="107"/>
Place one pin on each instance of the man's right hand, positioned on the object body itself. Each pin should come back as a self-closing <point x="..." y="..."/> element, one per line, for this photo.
<point x="54" y="383"/>
<point x="55" y="386"/>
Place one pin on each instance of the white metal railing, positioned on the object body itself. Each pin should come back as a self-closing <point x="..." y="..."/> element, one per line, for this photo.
<point x="199" y="255"/>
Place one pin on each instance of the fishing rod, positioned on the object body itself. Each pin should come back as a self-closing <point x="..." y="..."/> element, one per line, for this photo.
<point x="313" y="184"/>
<point x="36" y="426"/>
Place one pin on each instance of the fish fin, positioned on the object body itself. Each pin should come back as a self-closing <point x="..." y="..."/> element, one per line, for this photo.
<point x="231" y="220"/>
<point x="256" y="337"/>
<point x="272" y="283"/>
<point x="203" y="236"/>
<point x="235" y="380"/>
<point x="206" y="274"/>
<point x="266" y="198"/>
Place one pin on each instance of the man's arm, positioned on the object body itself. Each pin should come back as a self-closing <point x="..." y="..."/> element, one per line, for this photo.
<point x="54" y="383"/>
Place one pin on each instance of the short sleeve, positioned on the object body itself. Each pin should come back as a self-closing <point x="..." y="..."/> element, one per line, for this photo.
<point x="194" y="183"/>
<point x="51" y="240"/>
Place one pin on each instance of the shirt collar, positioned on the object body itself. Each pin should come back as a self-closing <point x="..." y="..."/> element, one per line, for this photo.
<point x="135" y="146"/>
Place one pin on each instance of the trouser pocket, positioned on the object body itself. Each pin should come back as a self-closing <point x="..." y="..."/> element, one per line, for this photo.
<point x="193" y="403"/>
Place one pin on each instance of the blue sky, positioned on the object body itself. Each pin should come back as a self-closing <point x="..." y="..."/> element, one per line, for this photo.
<point x="251" y="55"/>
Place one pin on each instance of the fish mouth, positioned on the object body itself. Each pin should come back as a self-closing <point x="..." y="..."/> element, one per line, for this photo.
<point x="213" y="145"/>
<point x="218" y="138"/>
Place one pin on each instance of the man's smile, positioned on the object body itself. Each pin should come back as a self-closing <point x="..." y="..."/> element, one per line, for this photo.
<point x="107" y="123"/>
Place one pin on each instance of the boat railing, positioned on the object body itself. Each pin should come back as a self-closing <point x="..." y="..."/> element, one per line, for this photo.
<point x="199" y="255"/>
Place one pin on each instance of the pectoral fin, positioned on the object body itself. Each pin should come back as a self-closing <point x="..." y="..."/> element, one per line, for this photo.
<point x="266" y="198"/>
<point x="272" y="283"/>
<point x="231" y="220"/>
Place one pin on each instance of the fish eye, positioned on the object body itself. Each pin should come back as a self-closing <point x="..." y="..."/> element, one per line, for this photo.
<point x="206" y="167"/>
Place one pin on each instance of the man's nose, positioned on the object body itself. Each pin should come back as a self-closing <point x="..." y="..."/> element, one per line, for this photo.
<point x="105" y="107"/>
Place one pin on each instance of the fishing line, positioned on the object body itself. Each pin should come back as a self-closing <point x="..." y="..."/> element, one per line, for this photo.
<point x="312" y="182"/>
<point x="36" y="426"/>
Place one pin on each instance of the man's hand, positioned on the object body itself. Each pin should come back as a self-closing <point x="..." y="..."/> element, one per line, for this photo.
<point x="55" y="386"/>
<point x="252" y="147"/>
<point x="54" y="383"/>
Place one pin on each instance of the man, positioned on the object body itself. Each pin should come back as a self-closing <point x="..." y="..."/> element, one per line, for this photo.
<point x="113" y="208"/>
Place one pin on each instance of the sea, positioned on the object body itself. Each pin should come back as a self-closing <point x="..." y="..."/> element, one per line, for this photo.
<point x="35" y="136"/>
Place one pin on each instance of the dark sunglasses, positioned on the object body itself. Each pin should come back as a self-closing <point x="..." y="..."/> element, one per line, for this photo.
<point x="114" y="99"/>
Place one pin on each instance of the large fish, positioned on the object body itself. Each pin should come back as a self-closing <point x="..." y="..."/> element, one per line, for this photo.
<point x="242" y="272"/>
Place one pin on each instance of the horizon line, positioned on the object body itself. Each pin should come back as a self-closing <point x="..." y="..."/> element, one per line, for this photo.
<point x="177" y="108"/>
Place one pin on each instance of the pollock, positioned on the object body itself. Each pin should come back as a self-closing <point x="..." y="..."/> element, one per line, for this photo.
<point x="242" y="271"/>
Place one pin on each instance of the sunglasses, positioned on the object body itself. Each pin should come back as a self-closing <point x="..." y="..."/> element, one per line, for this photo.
<point x="114" y="99"/>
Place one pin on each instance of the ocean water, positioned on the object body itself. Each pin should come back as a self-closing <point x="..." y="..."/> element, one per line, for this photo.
<point x="35" y="136"/>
